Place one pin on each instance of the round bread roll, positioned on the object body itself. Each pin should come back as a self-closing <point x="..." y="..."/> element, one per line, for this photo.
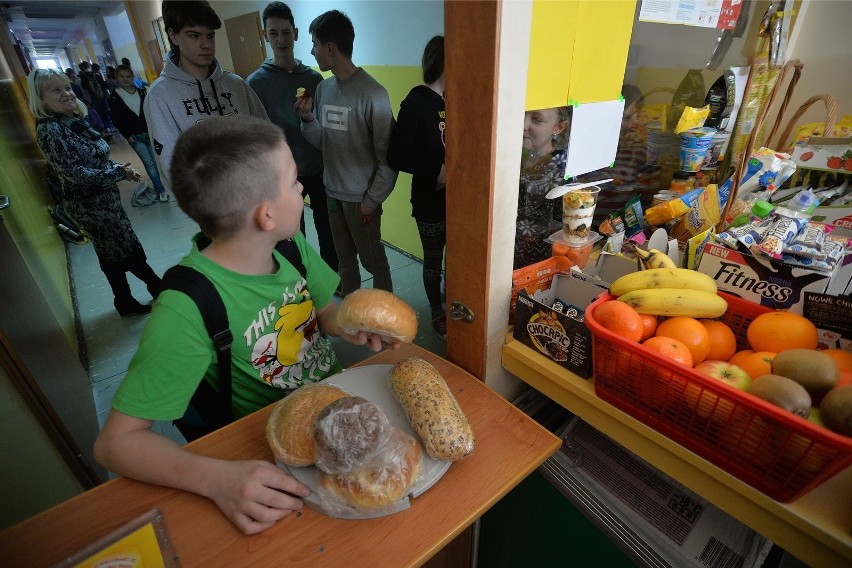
<point x="347" y="433"/>
<point x="290" y="427"/>
<point x="382" y="483"/>
<point x="377" y="311"/>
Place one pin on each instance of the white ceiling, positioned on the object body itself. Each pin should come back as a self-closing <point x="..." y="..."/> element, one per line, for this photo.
<point x="45" y="28"/>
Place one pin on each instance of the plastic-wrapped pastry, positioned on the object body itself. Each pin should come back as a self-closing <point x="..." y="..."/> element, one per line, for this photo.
<point x="348" y="433"/>
<point x="389" y="477"/>
<point x="290" y="427"/>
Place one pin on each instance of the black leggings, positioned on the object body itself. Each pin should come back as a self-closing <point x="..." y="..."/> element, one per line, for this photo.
<point x="433" y="236"/>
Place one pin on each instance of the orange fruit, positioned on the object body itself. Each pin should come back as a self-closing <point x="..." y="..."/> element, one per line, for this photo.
<point x="842" y="357"/>
<point x="620" y="318"/>
<point x="690" y="331"/>
<point x="739" y="356"/>
<point x="671" y="348"/>
<point x="844" y="379"/>
<point x="649" y="325"/>
<point x="758" y="363"/>
<point x="779" y="331"/>
<point x="723" y="341"/>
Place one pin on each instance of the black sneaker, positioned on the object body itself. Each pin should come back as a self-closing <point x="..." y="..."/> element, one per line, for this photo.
<point x="439" y="324"/>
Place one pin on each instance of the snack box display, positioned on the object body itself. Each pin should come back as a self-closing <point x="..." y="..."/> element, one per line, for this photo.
<point x="774" y="451"/>
<point x="766" y="282"/>
<point x="551" y="325"/>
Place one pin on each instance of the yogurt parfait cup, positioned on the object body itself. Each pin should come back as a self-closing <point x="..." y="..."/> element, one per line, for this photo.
<point x="578" y="208"/>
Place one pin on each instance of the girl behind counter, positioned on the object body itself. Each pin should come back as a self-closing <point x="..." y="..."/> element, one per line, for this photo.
<point x="545" y="149"/>
<point x="80" y="158"/>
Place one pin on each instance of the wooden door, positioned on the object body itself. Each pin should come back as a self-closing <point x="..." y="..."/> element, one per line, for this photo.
<point x="470" y="172"/>
<point x="246" y="42"/>
<point x="46" y="371"/>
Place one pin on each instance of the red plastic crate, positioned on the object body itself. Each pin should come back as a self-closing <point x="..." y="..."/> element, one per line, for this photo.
<point x="780" y="454"/>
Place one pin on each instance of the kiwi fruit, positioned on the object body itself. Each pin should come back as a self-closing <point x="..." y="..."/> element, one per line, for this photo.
<point x="782" y="392"/>
<point x="836" y="410"/>
<point x="815" y="371"/>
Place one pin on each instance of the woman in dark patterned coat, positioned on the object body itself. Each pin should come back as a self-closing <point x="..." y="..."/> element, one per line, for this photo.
<point x="80" y="157"/>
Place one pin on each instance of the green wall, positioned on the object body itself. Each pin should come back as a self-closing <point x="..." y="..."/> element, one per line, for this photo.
<point x="398" y="226"/>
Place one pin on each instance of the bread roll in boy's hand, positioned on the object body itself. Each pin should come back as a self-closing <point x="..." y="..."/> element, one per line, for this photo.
<point x="377" y="311"/>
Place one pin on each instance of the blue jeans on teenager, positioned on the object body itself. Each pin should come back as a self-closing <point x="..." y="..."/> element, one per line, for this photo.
<point x="142" y="146"/>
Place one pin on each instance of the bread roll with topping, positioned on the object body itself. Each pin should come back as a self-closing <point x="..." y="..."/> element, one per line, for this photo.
<point x="290" y="427"/>
<point x="386" y="480"/>
<point x="432" y="410"/>
<point x="377" y="311"/>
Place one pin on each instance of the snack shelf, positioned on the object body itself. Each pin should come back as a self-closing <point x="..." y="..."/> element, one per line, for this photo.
<point x="816" y="528"/>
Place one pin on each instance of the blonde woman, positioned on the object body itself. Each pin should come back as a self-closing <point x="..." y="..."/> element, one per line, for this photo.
<point x="79" y="156"/>
<point x="545" y="148"/>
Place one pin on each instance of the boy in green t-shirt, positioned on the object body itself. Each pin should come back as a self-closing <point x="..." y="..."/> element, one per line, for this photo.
<point x="237" y="180"/>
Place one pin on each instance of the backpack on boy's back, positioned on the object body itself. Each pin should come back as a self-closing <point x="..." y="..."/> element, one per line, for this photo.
<point x="210" y="409"/>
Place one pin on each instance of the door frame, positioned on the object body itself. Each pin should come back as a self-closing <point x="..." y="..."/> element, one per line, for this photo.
<point x="484" y="137"/>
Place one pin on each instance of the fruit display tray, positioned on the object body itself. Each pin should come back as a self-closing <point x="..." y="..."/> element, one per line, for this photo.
<point x="774" y="451"/>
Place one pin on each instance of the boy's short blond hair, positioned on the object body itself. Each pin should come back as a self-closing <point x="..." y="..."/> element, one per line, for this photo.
<point x="224" y="167"/>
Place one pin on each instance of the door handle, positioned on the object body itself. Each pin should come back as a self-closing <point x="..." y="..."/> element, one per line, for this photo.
<point x="4" y="201"/>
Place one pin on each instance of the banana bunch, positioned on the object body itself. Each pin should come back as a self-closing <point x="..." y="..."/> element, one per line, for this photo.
<point x="670" y="292"/>
<point x="654" y="258"/>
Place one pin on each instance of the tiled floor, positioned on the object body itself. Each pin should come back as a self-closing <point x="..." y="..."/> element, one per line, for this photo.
<point x="109" y="341"/>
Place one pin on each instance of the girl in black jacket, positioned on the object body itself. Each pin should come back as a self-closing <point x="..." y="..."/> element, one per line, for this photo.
<point x="126" y="105"/>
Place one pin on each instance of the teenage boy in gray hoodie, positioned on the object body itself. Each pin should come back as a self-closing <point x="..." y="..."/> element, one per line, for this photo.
<point x="277" y="84"/>
<point x="351" y="123"/>
<point x="192" y="86"/>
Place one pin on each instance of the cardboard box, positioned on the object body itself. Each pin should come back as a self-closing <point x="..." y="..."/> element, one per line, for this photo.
<point x="833" y="317"/>
<point x="837" y="216"/>
<point x="561" y="337"/>
<point x="762" y="281"/>
<point x="825" y="154"/>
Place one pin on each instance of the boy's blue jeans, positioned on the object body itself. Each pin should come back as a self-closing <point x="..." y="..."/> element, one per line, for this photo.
<point x="146" y="154"/>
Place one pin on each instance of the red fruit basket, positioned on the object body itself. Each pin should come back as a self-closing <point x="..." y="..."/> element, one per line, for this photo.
<point x="774" y="451"/>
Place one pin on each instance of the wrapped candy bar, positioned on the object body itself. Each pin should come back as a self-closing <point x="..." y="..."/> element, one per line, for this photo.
<point x="809" y="241"/>
<point x="781" y="233"/>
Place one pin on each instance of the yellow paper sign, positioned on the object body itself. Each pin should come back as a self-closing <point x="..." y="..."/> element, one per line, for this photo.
<point x="600" y="50"/>
<point x="551" y="50"/>
<point x="578" y="51"/>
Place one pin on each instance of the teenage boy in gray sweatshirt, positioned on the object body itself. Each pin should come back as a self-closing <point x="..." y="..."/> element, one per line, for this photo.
<point x="277" y="83"/>
<point x="192" y="86"/>
<point x="352" y="126"/>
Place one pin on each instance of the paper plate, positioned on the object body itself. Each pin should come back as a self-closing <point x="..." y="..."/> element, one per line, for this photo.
<point x="373" y="383"/>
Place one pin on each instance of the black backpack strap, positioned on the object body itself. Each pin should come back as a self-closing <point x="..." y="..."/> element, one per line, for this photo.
<point x="195" y="285"/>
<point x="288" y="249"/>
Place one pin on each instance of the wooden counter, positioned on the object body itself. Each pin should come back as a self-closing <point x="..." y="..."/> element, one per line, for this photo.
<point x="509" y="445"/>
<point x="816" y="528"/>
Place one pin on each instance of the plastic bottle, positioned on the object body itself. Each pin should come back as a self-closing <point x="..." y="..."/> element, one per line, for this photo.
<point x="802" y="204"/>
<point x="759" y="208"/>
